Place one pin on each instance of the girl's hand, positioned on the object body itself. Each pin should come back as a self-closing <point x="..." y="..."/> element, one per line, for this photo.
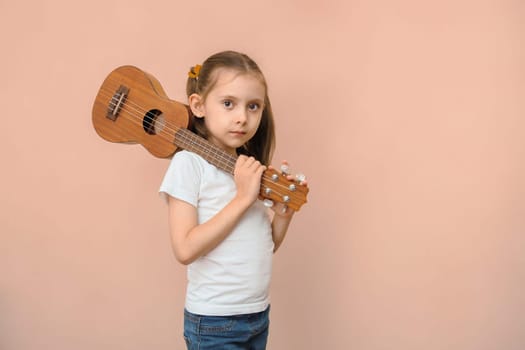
<point x="247" y="175"/>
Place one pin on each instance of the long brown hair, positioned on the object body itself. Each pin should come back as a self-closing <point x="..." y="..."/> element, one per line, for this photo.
<point x="262" y="144"/>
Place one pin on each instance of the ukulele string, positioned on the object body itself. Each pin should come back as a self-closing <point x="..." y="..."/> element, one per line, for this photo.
<point x="193" y="139"/>
<point x="203" y="145"/>
<point x="137" y="119"/>
<point x="168" y="131"/>
<point x="136" y="113"/>
<point x="186" y="138"/>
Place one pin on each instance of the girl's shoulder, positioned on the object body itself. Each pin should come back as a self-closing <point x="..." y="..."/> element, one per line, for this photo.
<point x="189" y="161"/>
<point x="184" y="156"/>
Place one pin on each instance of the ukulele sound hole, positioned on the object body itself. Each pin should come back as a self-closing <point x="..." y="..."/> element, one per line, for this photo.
<point x="153" y="122"/>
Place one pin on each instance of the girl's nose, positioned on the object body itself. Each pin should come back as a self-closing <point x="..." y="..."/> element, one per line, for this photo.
<point x="242" y="117"/>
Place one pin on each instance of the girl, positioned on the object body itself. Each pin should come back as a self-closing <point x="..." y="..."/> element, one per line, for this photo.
<point x="218" y="227"/>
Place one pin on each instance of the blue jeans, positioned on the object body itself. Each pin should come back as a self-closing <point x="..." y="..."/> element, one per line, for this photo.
<point x="236" y="332"/>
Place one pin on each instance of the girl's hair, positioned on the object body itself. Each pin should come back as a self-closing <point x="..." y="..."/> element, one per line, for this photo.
<point x="262" y="144"/>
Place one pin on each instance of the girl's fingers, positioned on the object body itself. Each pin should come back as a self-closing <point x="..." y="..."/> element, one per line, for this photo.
<point x="244" y="162"/>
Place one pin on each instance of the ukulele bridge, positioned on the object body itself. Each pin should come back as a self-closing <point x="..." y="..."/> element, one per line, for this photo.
<point x="116" y="102"/>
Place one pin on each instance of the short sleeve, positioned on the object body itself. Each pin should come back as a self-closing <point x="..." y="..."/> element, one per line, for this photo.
<point x="182" y="179"/>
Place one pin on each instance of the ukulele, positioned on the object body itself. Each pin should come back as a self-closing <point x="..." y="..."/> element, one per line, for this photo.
<point x="132" y="107"/>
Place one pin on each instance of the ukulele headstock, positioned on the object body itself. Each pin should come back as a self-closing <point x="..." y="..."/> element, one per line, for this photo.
<point x="276" y="187"/>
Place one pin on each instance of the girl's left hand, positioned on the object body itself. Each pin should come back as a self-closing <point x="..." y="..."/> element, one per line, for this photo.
<point x="281" y="209"/>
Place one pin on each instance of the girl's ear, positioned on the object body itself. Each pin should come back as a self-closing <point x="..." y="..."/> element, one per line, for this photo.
<point x="196" y="103"/>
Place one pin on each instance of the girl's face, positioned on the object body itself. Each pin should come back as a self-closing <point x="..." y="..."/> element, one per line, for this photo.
<point x="232" y="110"/>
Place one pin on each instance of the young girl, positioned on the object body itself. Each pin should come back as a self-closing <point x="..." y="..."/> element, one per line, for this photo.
<point x="218" y="227"/>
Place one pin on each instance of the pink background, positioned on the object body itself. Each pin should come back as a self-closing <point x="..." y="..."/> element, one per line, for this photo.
<point x="407" y="117"/>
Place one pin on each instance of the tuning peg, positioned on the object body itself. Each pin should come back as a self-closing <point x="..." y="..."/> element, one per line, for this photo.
<point x="300" y="177"/>
<point x="268" y="203"/>
<point x="285" y="169"/>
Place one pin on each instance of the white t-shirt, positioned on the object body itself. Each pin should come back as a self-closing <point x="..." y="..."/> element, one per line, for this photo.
<point x="234" y="278"/>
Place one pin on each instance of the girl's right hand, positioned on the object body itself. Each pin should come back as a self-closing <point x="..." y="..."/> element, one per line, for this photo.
<point x="247" y="175"/>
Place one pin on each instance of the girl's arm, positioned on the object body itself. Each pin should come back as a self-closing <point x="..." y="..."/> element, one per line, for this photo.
<point x="191" y="240"/>
<point x="281" y="220"/>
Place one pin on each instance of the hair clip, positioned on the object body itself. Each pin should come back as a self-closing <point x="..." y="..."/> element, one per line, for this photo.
<point x="194" y="72"/>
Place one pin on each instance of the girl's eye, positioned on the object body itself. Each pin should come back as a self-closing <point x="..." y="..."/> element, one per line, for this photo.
<point x="253" y="107"/>
<point x="227" y="103"/>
